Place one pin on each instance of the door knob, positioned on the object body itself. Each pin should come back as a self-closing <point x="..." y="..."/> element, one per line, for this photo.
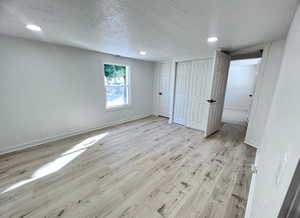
<point x="160" y="93"/>
<point x="211" y="101"/>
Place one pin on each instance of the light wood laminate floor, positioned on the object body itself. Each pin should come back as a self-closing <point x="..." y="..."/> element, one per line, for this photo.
<point x="145" y="168"/>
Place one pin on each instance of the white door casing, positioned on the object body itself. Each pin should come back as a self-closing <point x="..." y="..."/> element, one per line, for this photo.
<point x="217" y="89"/>
<point x="164" y="89"/>
<point x="252" y="186"/>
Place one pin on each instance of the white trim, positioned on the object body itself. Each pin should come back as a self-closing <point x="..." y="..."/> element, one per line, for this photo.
<point x="164" y="62"/>
<point x="155" y="89"/>
<point x="251" y="144"/>
<point x="252" y="189"/>
<point x="172" y="90"/>
<point x="192" y="58"/>
<point x="72" y="133"/>
<point x="236" y="108"/>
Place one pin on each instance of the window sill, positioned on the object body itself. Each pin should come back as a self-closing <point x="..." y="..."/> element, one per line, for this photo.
<point x="117" y="108"/>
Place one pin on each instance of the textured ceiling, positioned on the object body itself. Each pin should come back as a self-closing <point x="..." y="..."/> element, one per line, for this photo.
<point x="164" y="28"/>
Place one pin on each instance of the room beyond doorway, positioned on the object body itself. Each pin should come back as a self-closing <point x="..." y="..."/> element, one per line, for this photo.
<point x="240" y="90"/>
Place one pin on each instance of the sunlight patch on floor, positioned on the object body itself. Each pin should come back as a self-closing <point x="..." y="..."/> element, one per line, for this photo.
<point x="60" y="162"/>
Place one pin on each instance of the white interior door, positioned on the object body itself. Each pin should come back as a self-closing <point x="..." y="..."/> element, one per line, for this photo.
<point x="217" y="88"/>
<point x="181" y="92"/>
<point x="164" y="89"/>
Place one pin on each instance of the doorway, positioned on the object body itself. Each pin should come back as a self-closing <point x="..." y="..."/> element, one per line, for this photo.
<point x="240" y="91"/>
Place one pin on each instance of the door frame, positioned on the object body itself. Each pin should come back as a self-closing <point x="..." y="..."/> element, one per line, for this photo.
<point x="250" y="199"/>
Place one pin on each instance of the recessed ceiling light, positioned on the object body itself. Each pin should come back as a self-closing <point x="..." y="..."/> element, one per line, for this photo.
<point x="212" y="39"/>
<point x="143" y="52"/>
<point x="34" y="27"/>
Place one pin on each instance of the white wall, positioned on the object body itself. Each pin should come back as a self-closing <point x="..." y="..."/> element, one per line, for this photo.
<point x="240" y="84"/>
<point x="265" y="86"/>
<point x="281" y="139"/>
<point x="48" y="90"/>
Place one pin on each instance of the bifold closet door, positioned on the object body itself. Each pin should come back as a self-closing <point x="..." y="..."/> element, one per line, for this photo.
<point x="191" y="91"/>
<point x="183" y="71"/>
<point x="197" y="93"/>
<point x="200" y="92"/>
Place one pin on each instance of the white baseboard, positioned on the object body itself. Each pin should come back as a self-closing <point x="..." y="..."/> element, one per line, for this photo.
<point x="252" y="189"/>
<point x="69" y="134"/>
<point x="251" y="144"/>
<point x="236" y="109"/>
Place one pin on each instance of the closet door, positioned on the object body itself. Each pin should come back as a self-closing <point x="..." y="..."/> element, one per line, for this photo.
<point x="181" y="92"/>
<point x="197" y="93"/>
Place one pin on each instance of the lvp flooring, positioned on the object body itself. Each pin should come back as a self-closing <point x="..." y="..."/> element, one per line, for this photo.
<point x="145" y="168"/>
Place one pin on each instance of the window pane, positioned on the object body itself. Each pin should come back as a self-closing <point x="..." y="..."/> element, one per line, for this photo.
<point x="116" y="83"/>
<point x="116" y="96"/>
<point x="115" y="74"/>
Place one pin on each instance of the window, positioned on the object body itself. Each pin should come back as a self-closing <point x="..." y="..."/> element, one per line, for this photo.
<point x="116" y="81"/>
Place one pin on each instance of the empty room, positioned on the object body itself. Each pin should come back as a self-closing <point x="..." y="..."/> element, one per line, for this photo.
<point x="149" y="109"/>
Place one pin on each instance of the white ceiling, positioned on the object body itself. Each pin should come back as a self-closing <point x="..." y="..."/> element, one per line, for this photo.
<point x="164" y="28"/>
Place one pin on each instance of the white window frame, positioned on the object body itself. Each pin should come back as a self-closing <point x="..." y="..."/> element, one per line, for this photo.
<point x="128" y="77"/>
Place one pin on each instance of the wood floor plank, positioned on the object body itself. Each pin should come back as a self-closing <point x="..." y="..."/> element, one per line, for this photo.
<point x="145" y="168"/>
